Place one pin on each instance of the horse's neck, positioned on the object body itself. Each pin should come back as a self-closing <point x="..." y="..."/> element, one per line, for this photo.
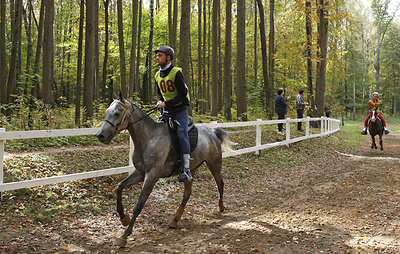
<point x="142" y="129"/>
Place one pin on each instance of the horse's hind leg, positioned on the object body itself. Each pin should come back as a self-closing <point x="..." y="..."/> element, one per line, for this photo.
<point x="215" y="169"/>
<point x="186" y="195"/>
<point x="132" y="179"/>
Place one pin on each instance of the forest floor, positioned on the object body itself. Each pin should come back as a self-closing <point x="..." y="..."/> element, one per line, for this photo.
<point x="345" y="202"/>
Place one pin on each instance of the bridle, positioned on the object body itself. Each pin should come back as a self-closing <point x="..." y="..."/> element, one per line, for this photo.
<point x="119" y="125"/>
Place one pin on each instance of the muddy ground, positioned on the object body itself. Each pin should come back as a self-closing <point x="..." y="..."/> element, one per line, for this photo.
<point x="344" y="203"/>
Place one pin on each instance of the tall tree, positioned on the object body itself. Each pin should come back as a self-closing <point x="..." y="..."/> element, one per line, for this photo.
<point x="227" y="62"/>
<point x="184" y="43"/>
<point x="79" y="66"/>
<point x="3" y="64"/>
<point x="136" y="86"/>
<point x="271" y="58"/>
<point x="263" y="40"/>
<point x="132" y="67"/>
<point x="214" y="70"/>
<point x="15" y="37"/>
<point x="106" y="43"/>
<point x="48" y="53"/>
<point x="322" y="54"/>
<point x="241" y="99"/>
<point x="383" y="20"/>
<point x="35" y="91"/>
<point x="309" y="55"/>
<point x="122" y="65"/>
<point x="89" y="73"/>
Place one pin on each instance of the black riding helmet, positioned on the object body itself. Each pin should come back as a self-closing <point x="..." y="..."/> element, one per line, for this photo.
<point x="167" y="50"/>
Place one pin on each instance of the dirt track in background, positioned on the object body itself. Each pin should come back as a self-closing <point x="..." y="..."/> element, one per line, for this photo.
<point x="341" y="204"/>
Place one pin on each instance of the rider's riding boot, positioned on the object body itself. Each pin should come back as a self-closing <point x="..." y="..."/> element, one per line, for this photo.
<point x="185" y="175"/>
<point x="386" y="130"/>
<point x="364" y="131"/>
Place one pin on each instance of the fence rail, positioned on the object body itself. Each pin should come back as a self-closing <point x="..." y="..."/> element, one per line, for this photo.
<point x="328" y="126"/>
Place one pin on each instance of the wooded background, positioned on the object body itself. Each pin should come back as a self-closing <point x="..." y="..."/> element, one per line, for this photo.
<point x="234" y="54"/>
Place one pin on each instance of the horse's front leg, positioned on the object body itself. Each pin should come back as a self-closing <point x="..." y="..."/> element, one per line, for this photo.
<point x="132" y="179"/>
<point x="373" y="145"/>
<point x="380" y="142"/>
<point x="148" y="185"/>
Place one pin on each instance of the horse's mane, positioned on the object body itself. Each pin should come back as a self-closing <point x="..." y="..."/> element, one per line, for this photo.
<point x="141" y="111"/>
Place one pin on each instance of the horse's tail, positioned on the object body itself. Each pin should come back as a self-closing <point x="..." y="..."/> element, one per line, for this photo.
<point x="225" y="142"/>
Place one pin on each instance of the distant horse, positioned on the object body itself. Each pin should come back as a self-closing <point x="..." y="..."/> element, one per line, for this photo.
<point x="375" y="127"/>
<point x="155" y="156"/>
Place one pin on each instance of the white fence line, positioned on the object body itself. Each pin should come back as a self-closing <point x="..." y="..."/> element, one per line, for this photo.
<point x="328" y="126"/>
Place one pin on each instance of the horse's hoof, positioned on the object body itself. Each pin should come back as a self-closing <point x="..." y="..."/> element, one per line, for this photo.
<point x="121" y="242"/>
<point x="219" y="215"/>
<point x="173" y="224"/>
<point x="125" y="221"/>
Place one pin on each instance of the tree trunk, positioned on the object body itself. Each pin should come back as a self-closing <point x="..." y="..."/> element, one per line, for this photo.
<point x="79" y="66"/>
<point x="97" y="81"/>
<point x="3" y="64"/>
<point x="227" y="62"/>
<point x="214" y="71"/>
<point x="121" y="46"/>
<point x="48" y="53"/>
<point x="15" y="31"/>
<point x="255" y="47"/>
<point x="271" y="60"/>
<point x="321" y="67"/>
<point x="132" y="66"/>
<point x="241" y="99"/>
<point x="136" y="87"/>
<point x="263" y="40"/>
<point x="35" y="92"/>
<point x="310" y="88"/>
<point x="106" y="42"/>
<point x="199" y="55"/>
<point x="184" y="43"/>
<point x="89" y="74"/>
<point x="354" y="89"/>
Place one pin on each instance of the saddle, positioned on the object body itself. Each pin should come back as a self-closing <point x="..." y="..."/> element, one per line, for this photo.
<point x="172" y="128"/>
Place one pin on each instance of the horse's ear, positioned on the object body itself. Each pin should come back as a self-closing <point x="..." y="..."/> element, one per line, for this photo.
<point x="114" y="96"/>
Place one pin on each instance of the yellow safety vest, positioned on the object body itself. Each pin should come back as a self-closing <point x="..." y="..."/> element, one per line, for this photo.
<point x="376" y="104"/>
<point x="167" y="86"/>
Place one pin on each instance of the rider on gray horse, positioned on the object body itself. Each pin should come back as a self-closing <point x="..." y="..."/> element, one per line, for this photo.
<point x="173" y="98"/>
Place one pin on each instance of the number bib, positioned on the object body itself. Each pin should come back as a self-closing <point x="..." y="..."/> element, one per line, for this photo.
<point x="167" y="86"/>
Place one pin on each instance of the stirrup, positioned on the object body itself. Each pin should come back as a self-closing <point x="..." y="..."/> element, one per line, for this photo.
<point x="364" y="132"/>
<point x="185" y="175"/>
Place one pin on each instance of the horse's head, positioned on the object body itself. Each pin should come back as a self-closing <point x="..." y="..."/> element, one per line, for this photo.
<point x="116" y="120"/>
<point x="373" y="115"/>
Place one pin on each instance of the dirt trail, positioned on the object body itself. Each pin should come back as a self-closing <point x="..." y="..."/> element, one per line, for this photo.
<point x="343" y="204"/>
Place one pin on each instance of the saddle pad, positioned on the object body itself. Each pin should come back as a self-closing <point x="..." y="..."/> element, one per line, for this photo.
<point x="193" y="138"/>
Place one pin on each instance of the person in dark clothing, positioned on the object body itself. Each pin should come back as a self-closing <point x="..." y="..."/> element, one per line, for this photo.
<point x="281" y="108"/>
<point x="173" y="98"/>
<point x="300" y="106"/>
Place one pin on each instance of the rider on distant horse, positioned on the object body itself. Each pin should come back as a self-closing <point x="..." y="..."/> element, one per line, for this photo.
<point x="376" y="104"/>
<point x="173" y="97"/>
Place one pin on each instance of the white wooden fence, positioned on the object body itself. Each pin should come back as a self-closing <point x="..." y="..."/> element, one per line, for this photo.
<point x="328" y="126"/>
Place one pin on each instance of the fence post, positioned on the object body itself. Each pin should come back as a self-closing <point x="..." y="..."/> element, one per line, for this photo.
<point x="258" y="136"/>
<point x="287" y="131"/>
<point x="322" y="125"/>
<point x="308" y="126"/>
<point x="131" y="150"/>
<point x="2" y="130"/>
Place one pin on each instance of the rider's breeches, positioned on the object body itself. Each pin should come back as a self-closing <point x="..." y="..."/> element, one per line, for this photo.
<point x="378" y="115"/>
<point x="181" y="117"/>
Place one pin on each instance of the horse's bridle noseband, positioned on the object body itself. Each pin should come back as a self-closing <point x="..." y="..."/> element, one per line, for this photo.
<point x="119" y="125"/>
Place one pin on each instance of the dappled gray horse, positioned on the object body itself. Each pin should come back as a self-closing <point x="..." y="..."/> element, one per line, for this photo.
<point x="154" y="156"/>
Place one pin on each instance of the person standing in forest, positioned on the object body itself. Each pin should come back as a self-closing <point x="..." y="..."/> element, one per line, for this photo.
<point x="300" y="106"/>
<point x="281" y="108"/>
<point x="173" y="98"/>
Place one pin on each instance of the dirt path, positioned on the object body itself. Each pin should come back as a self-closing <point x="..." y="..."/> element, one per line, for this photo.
<point x="348" y="203"/>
